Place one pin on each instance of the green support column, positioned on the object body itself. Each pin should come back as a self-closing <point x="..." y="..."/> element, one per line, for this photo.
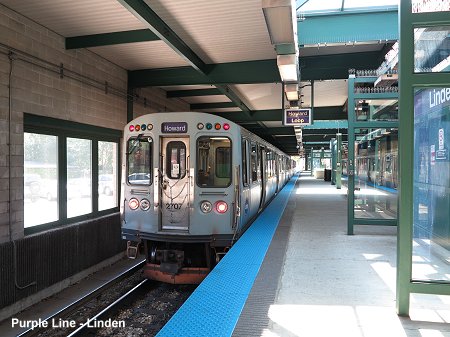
<point x="351" y="155"/>
<point x="321" y="158"/>
<point x="339" y="160"/>
<point x="334" y="152"/>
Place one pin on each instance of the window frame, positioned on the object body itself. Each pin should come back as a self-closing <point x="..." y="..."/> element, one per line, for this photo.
<point x="215" y="153"/>
<point x="151" y="164"/>
<point x="168" y="159"/>
<point x="64" y="129"/>
<point x="244" y="162"/>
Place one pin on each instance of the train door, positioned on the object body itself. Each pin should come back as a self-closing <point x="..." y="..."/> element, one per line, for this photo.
<point x="246" y="192"/>
<point x="262" y="165"/>
<point x="277" y="172"/>
<point x="174" y="183"/>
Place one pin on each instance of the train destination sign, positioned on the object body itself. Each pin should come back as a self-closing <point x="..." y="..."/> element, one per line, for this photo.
<point x="174" y="127"/>
<point x="297" y="116"/>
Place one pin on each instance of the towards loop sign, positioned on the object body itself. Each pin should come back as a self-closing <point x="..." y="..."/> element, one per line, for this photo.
<point x="297" y="117"/>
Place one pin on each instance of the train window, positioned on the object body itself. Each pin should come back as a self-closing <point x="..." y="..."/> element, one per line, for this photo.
<point x="176" y="160"/>
<point x="223" y="160"/>
<point x="244" y="162"/>
<point x="213" y="161"/>
<point x="254" y="162"/>
<point x="139" y="160"/>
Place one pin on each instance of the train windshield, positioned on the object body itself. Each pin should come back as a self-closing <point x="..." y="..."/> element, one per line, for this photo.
<point x="213" y="161"/>
<point x="139" y="160"/>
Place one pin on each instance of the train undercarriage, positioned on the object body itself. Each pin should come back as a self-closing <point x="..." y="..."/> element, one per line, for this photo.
<point x="180" y="263"/>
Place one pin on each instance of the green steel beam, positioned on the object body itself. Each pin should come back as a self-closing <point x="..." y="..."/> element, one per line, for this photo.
<point x="377" y="222"/>
<point x="107" y="39"/>
<point x="327" y="124"/>
<point x="335" y="66"/>
<point x="316" y="143"/>
<point x="193" y="92"/>
<point x="260" y="71"/>
<point x="247" y="72"/>
<point x="348" y="27"/>
<point x="217" y="105"/>
<point x="330" y="112"/>
<point x="144" y="13"/>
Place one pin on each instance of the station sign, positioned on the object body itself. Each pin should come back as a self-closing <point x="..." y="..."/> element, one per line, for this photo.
<point x="174" y="127"/>
<point x="297" y="117"/>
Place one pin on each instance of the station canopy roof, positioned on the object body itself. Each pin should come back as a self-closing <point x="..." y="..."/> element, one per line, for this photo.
<point x="217" y="56"/>
<point x="333" y="6"/>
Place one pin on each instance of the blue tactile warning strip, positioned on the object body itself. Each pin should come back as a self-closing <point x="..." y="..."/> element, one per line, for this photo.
<point x="214" y="308"/>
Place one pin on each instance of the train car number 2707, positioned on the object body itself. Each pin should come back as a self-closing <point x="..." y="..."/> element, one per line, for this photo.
<point x="173" y="206"/>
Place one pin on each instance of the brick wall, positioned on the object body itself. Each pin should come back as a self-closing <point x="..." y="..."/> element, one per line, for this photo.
<point x="43" y="92"/>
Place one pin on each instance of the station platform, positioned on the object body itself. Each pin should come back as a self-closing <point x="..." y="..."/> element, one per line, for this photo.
<point x="296" y="272"/>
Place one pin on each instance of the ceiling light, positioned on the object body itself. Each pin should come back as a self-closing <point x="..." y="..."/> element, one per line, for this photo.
<point x="291" y="91"/>
<point x="281" y="22"/>
<point x="288" y="67"/>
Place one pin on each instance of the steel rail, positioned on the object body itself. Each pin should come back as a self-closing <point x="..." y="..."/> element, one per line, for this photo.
<point x="86" y="298"/>
<point x="109" y="308"/>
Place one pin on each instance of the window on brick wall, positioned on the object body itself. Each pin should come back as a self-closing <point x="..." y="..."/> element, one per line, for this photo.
<point x="40" y="179"/>
<point x="107" y="175"/>
<point x="70" y="172"/>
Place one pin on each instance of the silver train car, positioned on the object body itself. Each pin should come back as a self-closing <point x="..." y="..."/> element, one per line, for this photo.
<point x="192" y="183"/>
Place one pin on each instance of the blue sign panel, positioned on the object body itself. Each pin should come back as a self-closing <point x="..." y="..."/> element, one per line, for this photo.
<point x="174" y="127"/>
<point x="297" y="116"/>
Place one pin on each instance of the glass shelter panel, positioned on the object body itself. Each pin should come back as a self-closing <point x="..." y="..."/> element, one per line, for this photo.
<point x="40" y="179"/>
<point x="376" y="173"/>
<point x="432" y="49"/>
<point x="422" y="6"/>
<point x="376" y="110"/>
<point x="431" y="187"/>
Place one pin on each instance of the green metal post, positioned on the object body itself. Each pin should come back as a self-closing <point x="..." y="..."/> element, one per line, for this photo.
<point x="406" y="155"/>
<point x="334" y="152"/>
<point x="338" y="160"/>
<point x="321" y="158"/>
<point x="351" y="156"/>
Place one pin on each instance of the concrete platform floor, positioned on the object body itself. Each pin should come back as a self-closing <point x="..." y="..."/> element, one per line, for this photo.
<point x="64" y="298"/>
<point x="333" y="284"/>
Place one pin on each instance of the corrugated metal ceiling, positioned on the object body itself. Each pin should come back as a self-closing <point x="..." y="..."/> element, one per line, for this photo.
<point x="80" y="17"/>
<point x="219" y="31"/>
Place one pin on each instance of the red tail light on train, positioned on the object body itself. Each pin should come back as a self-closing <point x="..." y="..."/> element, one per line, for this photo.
<point x="221" y="207"/>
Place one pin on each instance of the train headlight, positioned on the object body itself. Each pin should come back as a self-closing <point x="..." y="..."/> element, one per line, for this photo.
<point x="221" y="207"/>
<point x="133" y="203"/>
<point x="149" y="126"/>
<point x="145" y="204"/>
<point x="208" y="126"/>
<point x="226" y="126"/>
<point x="131" y="128"/>
<point x="217" y="126"/>
<point x="206" y="206"/>
<point x="200" y="126"/>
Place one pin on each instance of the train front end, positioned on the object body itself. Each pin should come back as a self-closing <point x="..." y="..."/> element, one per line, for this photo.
<point x="178" y="196"/>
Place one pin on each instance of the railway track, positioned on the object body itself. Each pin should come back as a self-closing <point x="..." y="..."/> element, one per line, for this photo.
<point x="63" y="322"/>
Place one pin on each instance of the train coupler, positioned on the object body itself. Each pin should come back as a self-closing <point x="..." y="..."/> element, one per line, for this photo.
<point x="132" y="249"/>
